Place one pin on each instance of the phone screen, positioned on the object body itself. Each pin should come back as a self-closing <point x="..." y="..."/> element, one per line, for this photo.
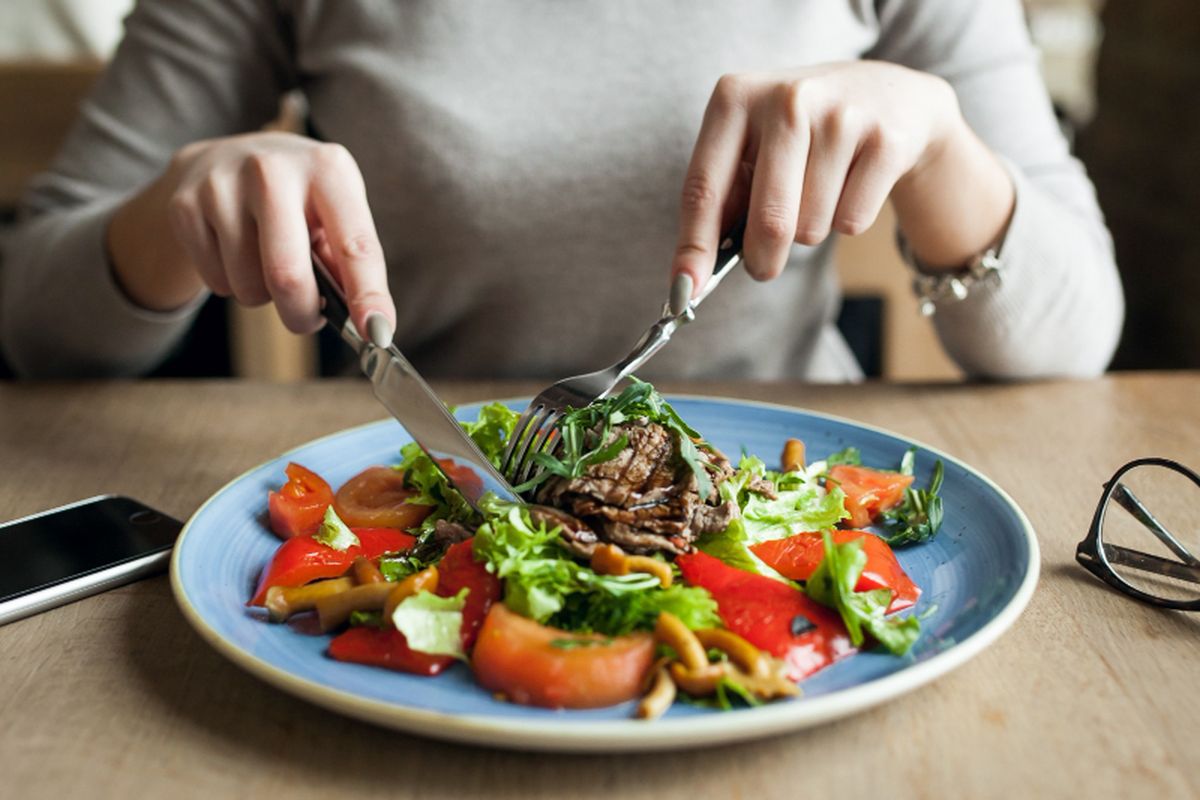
<point x="72" y="541"/>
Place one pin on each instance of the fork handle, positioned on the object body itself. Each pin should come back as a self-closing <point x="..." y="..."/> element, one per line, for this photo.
<point x="729" y="255"/>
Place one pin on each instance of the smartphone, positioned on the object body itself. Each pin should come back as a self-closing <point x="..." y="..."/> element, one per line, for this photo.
<point x="77" y="550"/>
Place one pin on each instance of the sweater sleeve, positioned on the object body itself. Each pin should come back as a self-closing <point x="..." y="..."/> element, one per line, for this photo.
<point x="185" y="70"/>
<point x="1059" y="308"/>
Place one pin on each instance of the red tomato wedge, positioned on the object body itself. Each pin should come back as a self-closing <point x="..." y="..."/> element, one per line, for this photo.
<point x="378" y="498"/>
<point x="386" y="648"/>
<point x="763" y="611"/>
<point x="537" y="665"/>
<point x="797" y="557"/>
<point x="299" y="506"/>
<point x="463" y="477"/>
<point x="457" y="570"/>
<point x="303" y="559"/>
<point x="869" y="491"/>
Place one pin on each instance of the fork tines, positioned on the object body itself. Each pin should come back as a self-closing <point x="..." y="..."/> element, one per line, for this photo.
<point x="533" y="434"/>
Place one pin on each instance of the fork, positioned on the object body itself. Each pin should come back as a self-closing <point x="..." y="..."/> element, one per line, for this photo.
<point x="534" y="431"/>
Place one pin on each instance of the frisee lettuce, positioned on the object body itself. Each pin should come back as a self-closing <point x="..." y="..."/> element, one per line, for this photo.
<point x="335" y="533"/>
<point x="490" y="431"/>
<point x="432" y="624"/>
<point x="801" y="504"/>
<point x="832" y="585"/>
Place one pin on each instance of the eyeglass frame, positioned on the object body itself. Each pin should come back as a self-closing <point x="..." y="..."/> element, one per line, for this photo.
<point x="1091" y="555"/>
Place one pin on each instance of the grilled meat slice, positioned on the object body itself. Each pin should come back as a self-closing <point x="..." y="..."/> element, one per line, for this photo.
<point x="645" y="499"/>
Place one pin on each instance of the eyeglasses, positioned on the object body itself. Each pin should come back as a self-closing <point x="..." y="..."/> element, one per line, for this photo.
<point x="1146" y="532"/>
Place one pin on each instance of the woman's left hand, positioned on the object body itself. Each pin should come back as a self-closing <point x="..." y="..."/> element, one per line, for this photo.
<point x="815" y="150"/>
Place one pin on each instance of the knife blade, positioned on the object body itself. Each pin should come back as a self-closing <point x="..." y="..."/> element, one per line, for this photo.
<point x="406" y="395"/>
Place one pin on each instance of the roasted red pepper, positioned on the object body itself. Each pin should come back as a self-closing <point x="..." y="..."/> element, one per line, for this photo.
<point x="797" y="557"/>
<point x="388" y="648"/>
<point x="303" y="559"/>
<point x="770" y="614"/>
<point x="458" y="569"/>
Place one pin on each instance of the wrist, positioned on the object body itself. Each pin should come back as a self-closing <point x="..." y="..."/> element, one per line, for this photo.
<point x="144" y="257"/>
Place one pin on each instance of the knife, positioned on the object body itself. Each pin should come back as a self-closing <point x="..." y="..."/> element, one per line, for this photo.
<point x="408" y="397"/>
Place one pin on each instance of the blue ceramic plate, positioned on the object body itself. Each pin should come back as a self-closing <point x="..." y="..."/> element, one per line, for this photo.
<point x="977" y="576"/>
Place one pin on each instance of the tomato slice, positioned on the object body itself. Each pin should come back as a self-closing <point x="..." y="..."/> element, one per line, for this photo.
<point x="378" y="498"/>
<point x="299" y="506"/>
<point x="869" y="491"/>
<point x="464" y="478"/>
<point x="538" y="665"/>
<point x="303" y="559"/>
<point x="457" y="570"/>
<point x="386" y="648"/>
<point x="765" y="612"/>
<point x="797" y="557"/>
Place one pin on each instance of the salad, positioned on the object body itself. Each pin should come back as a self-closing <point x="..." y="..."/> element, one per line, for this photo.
<point x="648" y="566"/>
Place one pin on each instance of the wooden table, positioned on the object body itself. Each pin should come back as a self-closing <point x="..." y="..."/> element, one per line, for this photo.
<point x="1090" y="694"/>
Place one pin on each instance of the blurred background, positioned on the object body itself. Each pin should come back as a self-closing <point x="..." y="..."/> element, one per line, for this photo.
<point x="1124" y="76"/>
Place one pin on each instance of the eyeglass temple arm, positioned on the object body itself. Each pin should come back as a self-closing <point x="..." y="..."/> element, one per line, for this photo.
<point x="1129" y="501"/>
<point x="1148" y="563"/>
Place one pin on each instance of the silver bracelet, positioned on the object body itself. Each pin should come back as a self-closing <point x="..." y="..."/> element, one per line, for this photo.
<point x="933" y="286"/>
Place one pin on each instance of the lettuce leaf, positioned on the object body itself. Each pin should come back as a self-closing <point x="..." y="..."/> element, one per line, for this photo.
<point x="543" y="583"/>
<point x="335" y="533"/>
<point x="832" y="585"/>
<point x="801" y="504"/>
<point x="432" y="624"/>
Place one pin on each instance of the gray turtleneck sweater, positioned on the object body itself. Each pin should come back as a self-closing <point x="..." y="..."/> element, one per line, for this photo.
<point x="524" y="162"/>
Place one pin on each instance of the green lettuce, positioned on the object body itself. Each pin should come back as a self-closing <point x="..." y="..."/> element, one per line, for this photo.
<point x="334" y="533"/>
<point x="832" y="585"/>
<point x="801" y="505"/>
<point x="543" y="583"/>
<point x="432" y="624"/>
<point x="490" y="431"/>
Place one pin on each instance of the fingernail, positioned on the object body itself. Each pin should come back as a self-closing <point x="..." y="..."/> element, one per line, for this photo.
<point x="681" y="293"/>
<point x="379" y="330"/>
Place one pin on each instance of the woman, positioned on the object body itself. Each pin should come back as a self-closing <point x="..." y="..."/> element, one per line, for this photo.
<point x="519" y="175"/>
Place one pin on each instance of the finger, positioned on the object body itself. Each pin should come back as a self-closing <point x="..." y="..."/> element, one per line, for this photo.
<point x="714" y="166"/>
<point x="873" y="174"/>
<point x="237" y="240"/>
<point x="775" y="195"/>
<point x="340" y="200"/>
<point x="277" y="201"/>
<point x="835" y="141"/>
<point x="199" y="243"/>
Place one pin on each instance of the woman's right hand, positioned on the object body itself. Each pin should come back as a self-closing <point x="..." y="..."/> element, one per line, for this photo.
<point x="240" y="215"/>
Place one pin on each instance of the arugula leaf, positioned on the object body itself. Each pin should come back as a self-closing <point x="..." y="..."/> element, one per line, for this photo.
<point x="919" y="515"/>
<point x="334" y="533"/>
<point x="585" y="435"/>
<point x="432" y="624"/>
<point x="832" y="585"/>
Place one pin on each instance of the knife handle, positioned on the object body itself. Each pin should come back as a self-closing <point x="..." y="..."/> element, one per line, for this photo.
<point x="333" y="301"/>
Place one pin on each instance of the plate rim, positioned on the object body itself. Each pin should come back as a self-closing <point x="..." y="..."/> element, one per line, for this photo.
<point x="614" y="736"/>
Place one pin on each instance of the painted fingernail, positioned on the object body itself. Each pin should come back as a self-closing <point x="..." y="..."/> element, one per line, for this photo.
<point x="681" y="293"/>
<point x="379" y="330"/>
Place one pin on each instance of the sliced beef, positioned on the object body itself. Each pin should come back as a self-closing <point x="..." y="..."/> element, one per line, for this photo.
<point x="645" y="499"/>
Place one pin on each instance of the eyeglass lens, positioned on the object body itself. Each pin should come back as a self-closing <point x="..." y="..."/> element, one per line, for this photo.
<point x="1151" y="532"/>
